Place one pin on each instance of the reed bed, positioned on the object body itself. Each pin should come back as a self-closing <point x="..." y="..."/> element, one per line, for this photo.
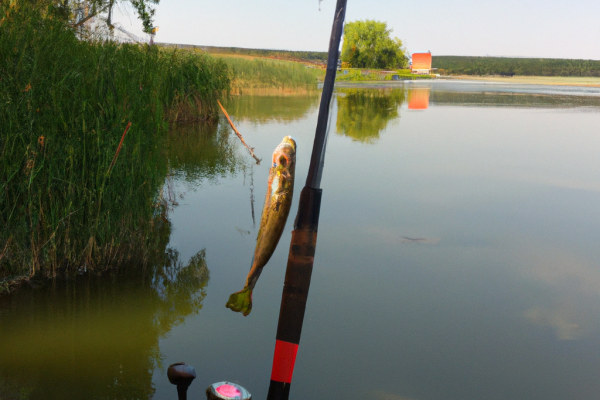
<point x="277" y="54"/>
<point x="65" y="106"/>
<point x="279" y="76"/>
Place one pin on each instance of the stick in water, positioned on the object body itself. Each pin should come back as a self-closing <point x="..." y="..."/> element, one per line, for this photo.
<point x="238" y="133"/>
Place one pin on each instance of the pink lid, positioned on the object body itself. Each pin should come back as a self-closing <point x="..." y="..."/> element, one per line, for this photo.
<point x="229" y="391"/>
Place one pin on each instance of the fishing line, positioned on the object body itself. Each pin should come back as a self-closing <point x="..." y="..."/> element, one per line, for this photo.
<point x="252" y="195"/>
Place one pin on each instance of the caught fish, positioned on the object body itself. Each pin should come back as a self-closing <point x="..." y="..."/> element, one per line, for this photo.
<point x="274" y="216"/>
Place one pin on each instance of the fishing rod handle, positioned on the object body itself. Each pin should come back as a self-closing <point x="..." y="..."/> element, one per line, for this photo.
<point x="295" y="293"/>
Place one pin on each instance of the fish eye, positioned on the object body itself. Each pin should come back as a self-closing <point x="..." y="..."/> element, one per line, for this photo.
<point x="283" y="161"/>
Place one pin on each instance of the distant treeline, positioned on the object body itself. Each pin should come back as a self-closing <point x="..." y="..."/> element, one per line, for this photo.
<point x="461" y="65"/>
<point x="280" y="54"/>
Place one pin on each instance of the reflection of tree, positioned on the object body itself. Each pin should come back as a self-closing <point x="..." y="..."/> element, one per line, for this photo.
<point x="96" y="337"/>
<point x="510" y="99"/>
<point x="364" y="113"/>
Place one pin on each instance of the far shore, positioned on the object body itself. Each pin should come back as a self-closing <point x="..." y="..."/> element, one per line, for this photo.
<point x="518" y="80"/>
<point x="534" y="80"/>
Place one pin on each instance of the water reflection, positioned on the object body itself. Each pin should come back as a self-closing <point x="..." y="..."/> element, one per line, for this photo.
<point x="203" y="152"/>
<point x="364" y="113"/>
<point x="504" y="306"/>
<point x="96" y="337"/>
<point x="265" y="109"/>
<point x="574" y="278"/>
<point x="489" y="98"/>
<point x="418" y="98"/>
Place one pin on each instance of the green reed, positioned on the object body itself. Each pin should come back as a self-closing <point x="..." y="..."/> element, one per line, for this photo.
<point x="65" y="106"/>
<point x="265" y="73"/>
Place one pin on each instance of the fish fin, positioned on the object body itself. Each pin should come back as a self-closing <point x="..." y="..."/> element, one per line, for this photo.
<point x="241" y="301"/>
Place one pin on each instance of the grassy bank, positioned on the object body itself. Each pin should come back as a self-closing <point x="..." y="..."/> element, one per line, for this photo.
<point x="310" y="56"/>
<point x="459" y="65"/>
<point x="253" y="74"/>
<point x="268" y="74"/>
<point x="366" y="75"/>
<point x="67" y="199"/>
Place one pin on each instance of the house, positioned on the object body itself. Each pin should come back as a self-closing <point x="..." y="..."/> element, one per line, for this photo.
<point x="421" y="63"/>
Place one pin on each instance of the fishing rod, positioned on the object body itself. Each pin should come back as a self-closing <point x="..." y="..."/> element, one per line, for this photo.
<point x="304" y="236"/>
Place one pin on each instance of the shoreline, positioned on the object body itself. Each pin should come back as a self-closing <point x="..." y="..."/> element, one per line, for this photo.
<point x="533" y="80"/>
<point x="592" y="82"/>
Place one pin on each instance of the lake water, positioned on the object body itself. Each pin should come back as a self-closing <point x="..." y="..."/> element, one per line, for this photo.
<point x="457" y="258"/>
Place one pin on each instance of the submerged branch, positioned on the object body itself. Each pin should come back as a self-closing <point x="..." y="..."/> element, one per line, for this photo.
<point x="239" y="134"/>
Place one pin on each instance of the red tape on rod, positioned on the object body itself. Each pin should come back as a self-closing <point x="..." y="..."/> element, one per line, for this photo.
<point x="283" y="361"/>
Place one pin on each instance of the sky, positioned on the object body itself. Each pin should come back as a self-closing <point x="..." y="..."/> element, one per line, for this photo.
<point x="525" y="28"/>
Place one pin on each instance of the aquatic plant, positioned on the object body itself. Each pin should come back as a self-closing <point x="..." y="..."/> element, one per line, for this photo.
<point x="65" y="106"/>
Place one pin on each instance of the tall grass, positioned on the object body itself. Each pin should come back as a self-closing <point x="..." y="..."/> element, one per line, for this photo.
<point x="270" y="74"/>
<point x="65" y="106"/>
<point x="240" y="51"/>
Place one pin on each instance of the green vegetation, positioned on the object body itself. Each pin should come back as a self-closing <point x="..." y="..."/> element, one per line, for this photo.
<point x="358" y="75"/>
<point x="367" y="44"/>
<point x="77" y="12"/>
<point x="457" y="65"/>
<point x="279" y="54"/>
<point x="269" y="74"/>
<point x="265" y="74"/>
<point x="68" y="198"/>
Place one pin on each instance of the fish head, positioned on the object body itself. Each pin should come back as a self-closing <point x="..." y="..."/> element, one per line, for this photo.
<point x="284" y="156"/>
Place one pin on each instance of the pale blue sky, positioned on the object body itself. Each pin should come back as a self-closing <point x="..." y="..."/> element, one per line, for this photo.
<point x="528" y="28"/>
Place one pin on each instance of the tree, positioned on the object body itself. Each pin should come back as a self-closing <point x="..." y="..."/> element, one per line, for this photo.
<point x="79" y="12"/>
<point x="367" y="44"/>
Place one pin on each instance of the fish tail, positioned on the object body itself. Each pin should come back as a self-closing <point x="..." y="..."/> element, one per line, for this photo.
<point x="241" y="301"/>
